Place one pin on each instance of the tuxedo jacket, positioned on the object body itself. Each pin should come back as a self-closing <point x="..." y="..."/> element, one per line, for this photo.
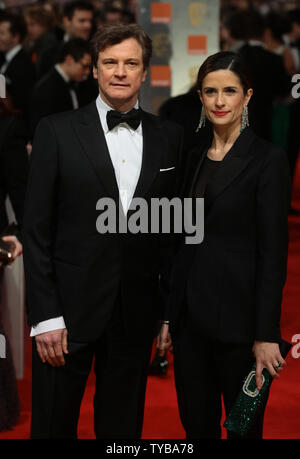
<point x="232" y="282"/>
<point x="70" y="268"/>
<point x="51" y="95"/>
<point x="20" y="78"/>
<point x="13" y="167"/>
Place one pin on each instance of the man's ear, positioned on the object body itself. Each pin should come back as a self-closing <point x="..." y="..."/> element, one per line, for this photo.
<point x="144" y="75"/>
<point x="66" y="21"/>
<point x="95" y="72"/>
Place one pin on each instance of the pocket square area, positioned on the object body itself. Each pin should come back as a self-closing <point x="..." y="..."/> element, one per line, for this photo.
<point x="167" y="169"/>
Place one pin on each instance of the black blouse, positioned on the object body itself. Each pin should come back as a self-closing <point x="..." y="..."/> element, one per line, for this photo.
<point x="208" y="169"/>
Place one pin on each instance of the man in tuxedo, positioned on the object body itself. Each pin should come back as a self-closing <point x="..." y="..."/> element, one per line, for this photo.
<point x="90" y="294"/>
<point x="268" y="77"/>
<point x="17" y="67"/>
<point x="77" y="23"/>
<point x="56" y="91"/>
<point x="292" y="39"/>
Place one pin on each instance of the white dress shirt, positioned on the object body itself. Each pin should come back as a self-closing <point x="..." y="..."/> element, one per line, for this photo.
<point x="125" y="146"/>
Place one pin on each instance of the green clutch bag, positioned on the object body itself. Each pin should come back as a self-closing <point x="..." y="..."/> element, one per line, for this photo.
<point x="250" y="399"/>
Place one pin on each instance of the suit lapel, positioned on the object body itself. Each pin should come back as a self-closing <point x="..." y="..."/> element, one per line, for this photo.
<point x="91" y="136"/>
<point x="232" y="165"/>
<point x="152" y="146"/>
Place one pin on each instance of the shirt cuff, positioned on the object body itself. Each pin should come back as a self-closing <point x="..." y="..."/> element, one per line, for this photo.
<point x="48" y="325"/>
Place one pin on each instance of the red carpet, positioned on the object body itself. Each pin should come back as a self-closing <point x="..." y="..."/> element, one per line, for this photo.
<point x="282" y="420"/>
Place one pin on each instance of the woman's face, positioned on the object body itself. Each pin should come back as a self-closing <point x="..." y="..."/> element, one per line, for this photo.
<point x="34" y="29"/>
<point x="223" y="98"/>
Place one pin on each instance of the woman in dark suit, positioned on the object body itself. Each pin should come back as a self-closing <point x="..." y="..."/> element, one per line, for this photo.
<point x="226" y="296"/>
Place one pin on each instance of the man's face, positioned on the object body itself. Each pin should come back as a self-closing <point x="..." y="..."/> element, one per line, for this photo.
<point x="7" y="40"/>
<point x="80" y="25"/>
<point x="79" y="70"/>
<point x="120" y="73"/>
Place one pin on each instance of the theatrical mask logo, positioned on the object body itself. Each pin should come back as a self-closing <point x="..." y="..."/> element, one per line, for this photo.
<point x="193" y="72"/>
<point x="161" y="45"/>
<point x="197" y="11"/>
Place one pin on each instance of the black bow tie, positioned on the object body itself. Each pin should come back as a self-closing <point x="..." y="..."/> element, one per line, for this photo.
<point x="133" y="118"/>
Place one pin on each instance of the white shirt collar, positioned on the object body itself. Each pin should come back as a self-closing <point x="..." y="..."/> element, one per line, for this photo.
<point x="103" y="108"/>
<point x="12" y="53"/>
<point x="62" y="73"/>
<point x="256" y="43"/>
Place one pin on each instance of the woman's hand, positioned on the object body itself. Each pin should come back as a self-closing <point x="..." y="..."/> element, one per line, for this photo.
<point x="267" y="356"/>
<point x="164" y="342"/>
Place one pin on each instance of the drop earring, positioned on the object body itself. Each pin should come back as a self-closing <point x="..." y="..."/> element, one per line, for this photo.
<point x="245" y="119"/>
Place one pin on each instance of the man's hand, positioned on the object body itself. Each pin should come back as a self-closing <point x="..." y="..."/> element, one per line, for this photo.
<point x="267" y="356"/>
<point x="18" y="249"/>
<point x="52" y="346"/>
<point x="164" y="342"/>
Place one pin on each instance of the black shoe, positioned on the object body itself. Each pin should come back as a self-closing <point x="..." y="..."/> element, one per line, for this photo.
<point x="158" y="366"/>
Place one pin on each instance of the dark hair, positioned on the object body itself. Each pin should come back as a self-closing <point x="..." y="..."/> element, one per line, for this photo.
<point x="225" y="60"/>
<point x="71" y="7"/>
<point x="17" y="25"/>
<point x="255" y="25"/>
<point x="40" y="15"/>
<point x="113" y="34"/>
<point x="75" y="47"/>
<point x="112" y="9"/>
<point x="277" y="24"/>
<point x="235" y="23"/>
<point x="294" y="16"/>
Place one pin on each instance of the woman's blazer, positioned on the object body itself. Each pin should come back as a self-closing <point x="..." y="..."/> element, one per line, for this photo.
<point x="232" y="282"/>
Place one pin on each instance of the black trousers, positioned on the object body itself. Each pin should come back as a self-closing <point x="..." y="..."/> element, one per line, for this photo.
<point x="204" y="371"/>
<point x="121" y="375"/>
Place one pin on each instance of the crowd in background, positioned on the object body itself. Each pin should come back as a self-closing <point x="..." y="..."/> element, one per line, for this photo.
<point x="46" y="60"/>
<point x="44" y="54"/>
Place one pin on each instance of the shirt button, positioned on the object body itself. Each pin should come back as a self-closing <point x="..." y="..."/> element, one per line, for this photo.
<point x="123" y="160"/>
